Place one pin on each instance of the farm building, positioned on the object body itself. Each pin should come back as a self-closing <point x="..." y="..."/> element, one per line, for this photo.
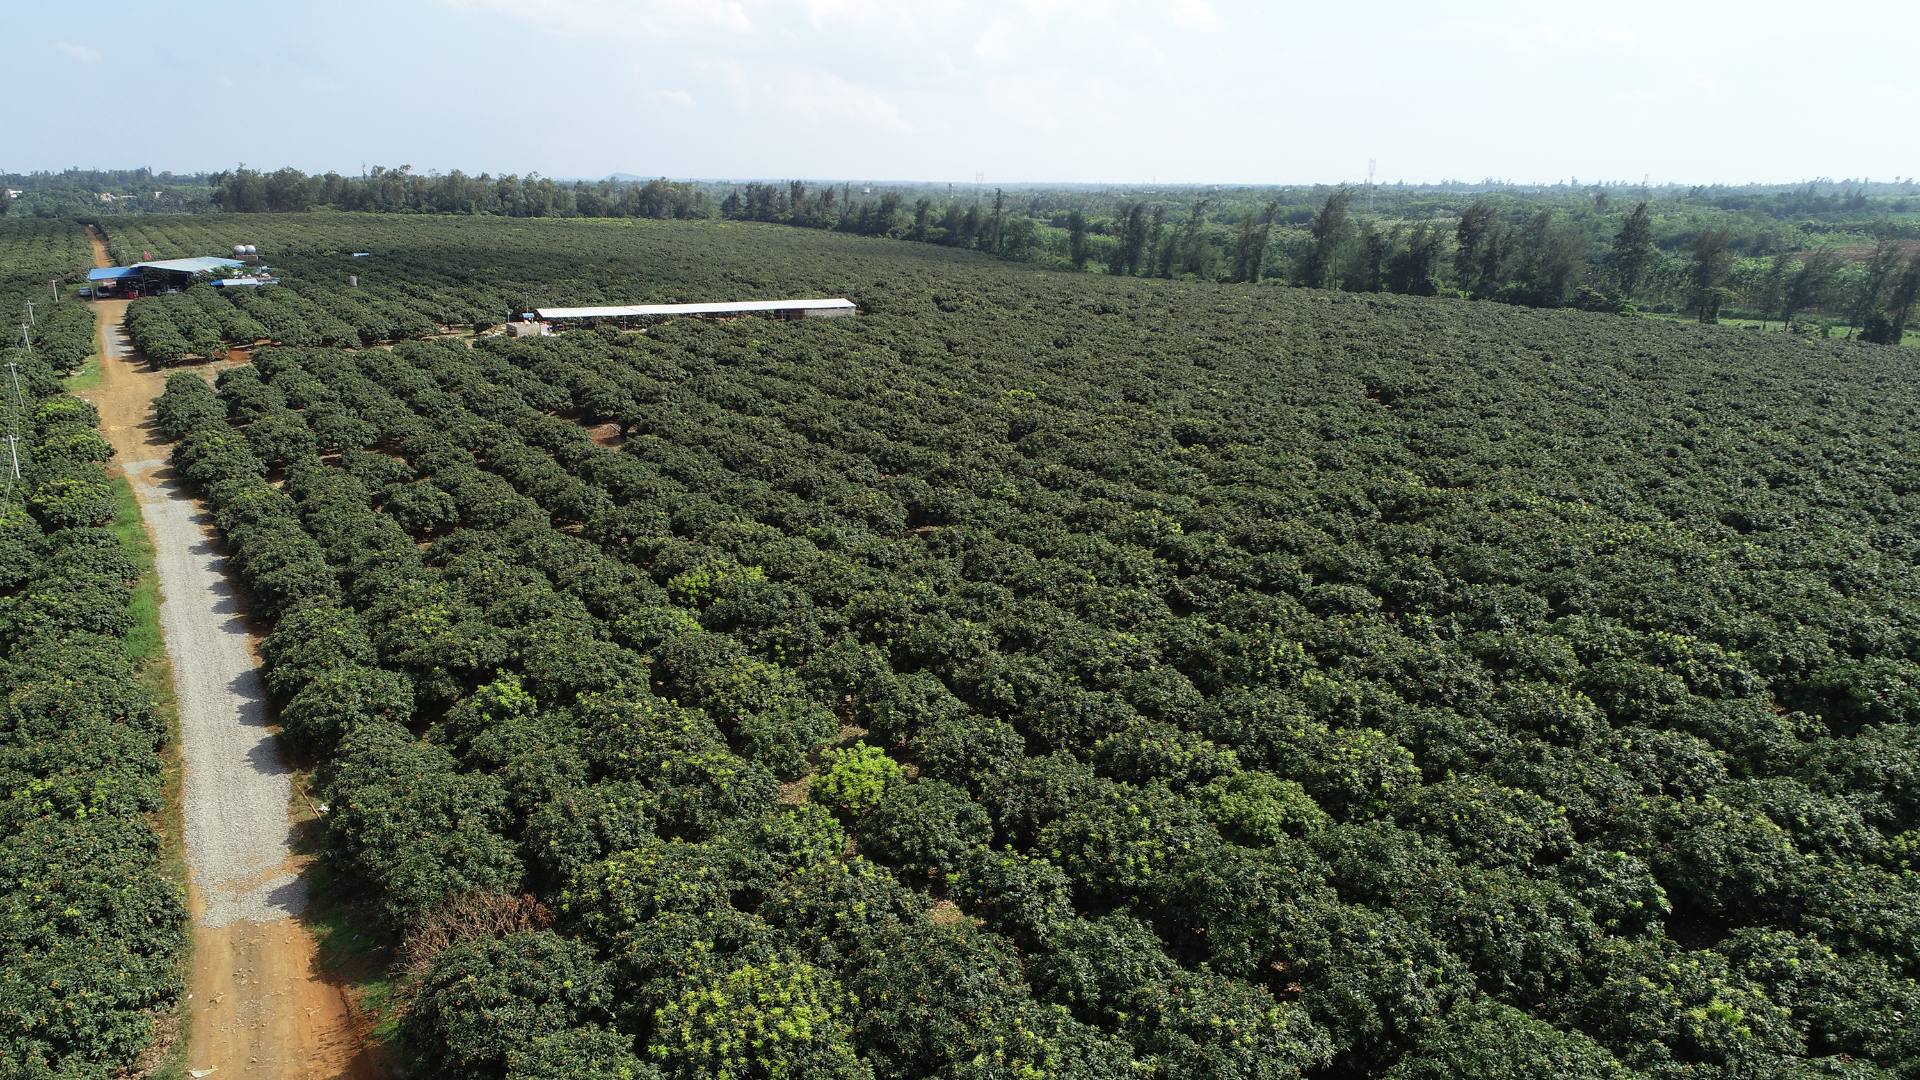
<point x="156" y="276"/>
<point x="641" y="313"/>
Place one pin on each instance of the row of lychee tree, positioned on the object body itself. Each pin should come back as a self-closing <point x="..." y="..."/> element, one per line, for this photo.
<point x="203" y="321"/>
<point x="92" y="925"/>
<point x="1050" y="838"/>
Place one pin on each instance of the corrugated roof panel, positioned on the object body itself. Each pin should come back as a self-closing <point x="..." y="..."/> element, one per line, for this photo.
<point x="199" y="264"/>
<point x="112" y="273"/>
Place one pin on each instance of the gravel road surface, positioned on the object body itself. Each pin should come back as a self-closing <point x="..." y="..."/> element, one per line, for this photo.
<point x="237" y="786"/>
<point x="263" y="1004"/>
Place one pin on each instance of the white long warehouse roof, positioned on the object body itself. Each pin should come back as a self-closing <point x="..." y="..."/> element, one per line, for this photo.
<point x="741" y="307"/>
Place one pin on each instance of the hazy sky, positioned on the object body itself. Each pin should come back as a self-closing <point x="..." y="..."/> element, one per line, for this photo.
<point x="1067" y="90"/>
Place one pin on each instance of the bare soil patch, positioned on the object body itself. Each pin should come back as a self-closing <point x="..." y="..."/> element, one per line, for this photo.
<point x="607" y="435"/>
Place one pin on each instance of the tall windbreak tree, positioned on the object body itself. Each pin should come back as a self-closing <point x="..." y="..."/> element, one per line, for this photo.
<point x="1132" y="242"/>
<point x="1414" y="263"/>
<point x="1368" y="269"/>
<point x="1811" y="285"/>
<point x="1889" y="325"/>
<point x="1707" y="275"/>
<point x="1319" y="268"/>
<point x="1633" y="251"/>
<point x="1194" y="255"/>
<point x="1905" y="297"/>
<point x="1156" y="230"/>
<point x="996" y="225"/>
<point x="1250" y="248"/>
<point x="1870" y="296"/>
<point x="1550" y="260"/>
<point x="1476" y="252"/>
<point x="1077" y="249"/>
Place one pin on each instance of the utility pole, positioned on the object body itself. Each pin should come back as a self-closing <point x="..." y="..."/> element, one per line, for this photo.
<point x="13" y="421"/>
<point x="30" y="319"/>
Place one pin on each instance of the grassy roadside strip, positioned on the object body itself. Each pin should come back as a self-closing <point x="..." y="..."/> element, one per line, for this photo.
<point x="146" y="648"/>
<point x="350" y="953"/>
<point x="1836" y="332"/>
<point x="87" y="379"/>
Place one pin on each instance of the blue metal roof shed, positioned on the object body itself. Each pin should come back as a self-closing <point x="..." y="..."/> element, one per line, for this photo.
<point x="199" y="264"/>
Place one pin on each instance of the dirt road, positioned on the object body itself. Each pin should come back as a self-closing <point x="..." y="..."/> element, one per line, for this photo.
<point x="260" y="1006"/>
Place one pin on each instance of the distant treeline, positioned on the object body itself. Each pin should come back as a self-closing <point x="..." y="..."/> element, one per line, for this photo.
<point x="1551" y="248"/>
<point x="1817" y="257"/>
<point x="401" y="190"/>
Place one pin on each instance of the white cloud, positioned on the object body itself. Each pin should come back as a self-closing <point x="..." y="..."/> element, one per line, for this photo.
<point x="640" y="18"/>
<point x="86" y="54"/>
<point x="1194" y="15"/>
<point x="995" y="42"/>
<point x="1713" y="89"/>
<point x="1614" y="34"/>
<point x="679" y="99"/>
<point x="911" y="18"/>
<point x="1047" y="101"/>
<point x="822" y="12"/>
<point x="821" y="95"/>
<point x="726" y="14"/>
<point x="1049" y="26"/>
<point x="1046" y="11"/>
<point x="1148" y="50"/>
<point x="734" y="74"/>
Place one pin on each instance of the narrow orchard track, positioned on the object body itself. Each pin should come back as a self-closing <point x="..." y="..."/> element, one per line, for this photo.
<point x="260" y="1005"/>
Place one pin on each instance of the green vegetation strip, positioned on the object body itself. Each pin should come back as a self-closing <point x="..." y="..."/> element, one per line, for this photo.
<point x="1184" y="679"/>
<point x="92" y="912"/>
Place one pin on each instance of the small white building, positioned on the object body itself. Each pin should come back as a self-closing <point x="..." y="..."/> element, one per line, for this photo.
<point x="777" y="309"/>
